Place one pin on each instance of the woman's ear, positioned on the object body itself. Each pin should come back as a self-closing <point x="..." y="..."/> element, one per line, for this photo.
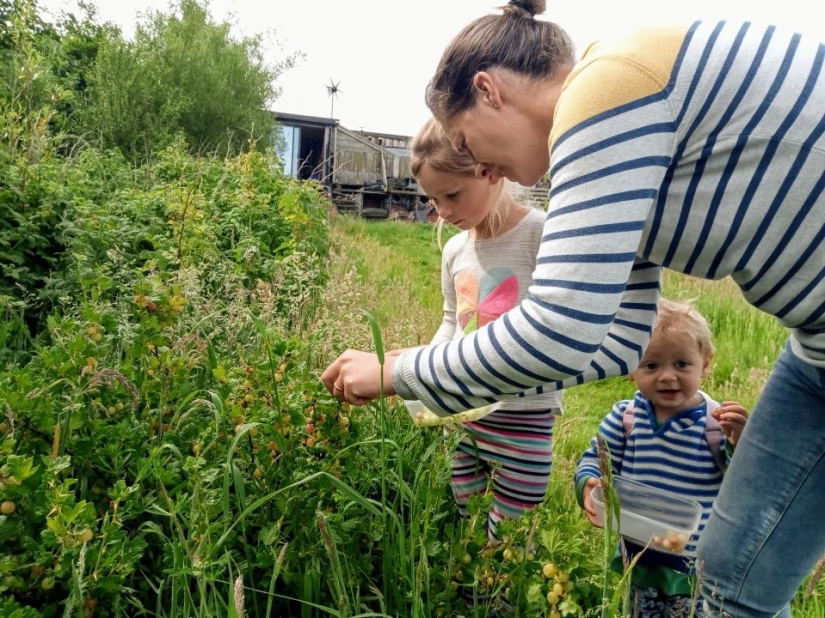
<point x="488" y="89"/>
<point x="494" y="179"/>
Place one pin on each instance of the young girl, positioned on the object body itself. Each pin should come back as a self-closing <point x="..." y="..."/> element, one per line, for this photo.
<point x="486" y="270"/>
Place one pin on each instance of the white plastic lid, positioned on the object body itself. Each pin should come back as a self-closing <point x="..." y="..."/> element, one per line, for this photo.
<point x="425" y="418"/>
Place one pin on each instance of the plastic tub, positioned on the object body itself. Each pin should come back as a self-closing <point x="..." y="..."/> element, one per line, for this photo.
<point x="650" y="515"/>
<point x="425" y="418"/>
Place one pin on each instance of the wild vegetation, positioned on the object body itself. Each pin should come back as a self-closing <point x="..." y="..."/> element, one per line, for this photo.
<point x="167" y="298"/>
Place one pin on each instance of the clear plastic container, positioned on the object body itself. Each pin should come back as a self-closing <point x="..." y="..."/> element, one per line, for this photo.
<point x="425" y="418"/>
<point x="664" y="519"/>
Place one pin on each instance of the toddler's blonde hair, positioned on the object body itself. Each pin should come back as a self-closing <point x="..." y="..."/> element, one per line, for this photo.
<point x="682" y="319"/>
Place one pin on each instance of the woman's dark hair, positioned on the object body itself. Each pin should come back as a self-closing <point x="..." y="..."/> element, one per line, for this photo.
<point x="513" y="40"/>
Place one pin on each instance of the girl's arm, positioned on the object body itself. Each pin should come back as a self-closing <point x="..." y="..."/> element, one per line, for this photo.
<point x="606" y="170"/>
<point x="446" y="331"/>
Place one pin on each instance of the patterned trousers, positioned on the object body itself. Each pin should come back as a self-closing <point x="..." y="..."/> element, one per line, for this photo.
<point x="519" y="446"/>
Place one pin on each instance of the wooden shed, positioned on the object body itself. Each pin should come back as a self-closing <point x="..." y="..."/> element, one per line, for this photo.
<point x="305" y="143"/>
<point x="365" y="173"/>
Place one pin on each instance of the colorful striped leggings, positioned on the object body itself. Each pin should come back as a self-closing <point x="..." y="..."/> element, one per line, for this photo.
<point x="519" y="445"/>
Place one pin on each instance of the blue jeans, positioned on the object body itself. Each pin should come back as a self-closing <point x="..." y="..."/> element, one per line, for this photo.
<point x="766" y="531"/>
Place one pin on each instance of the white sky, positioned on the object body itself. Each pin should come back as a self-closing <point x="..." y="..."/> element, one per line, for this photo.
<point x="383" y="52"/>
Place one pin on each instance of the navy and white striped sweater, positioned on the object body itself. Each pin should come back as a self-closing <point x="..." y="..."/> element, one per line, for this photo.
<point x="674" y="457"/>
<point x="703" y="147"/>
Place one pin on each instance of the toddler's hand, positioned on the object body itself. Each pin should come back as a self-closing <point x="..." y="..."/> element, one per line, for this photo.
<point x="732" y="417"/>
<point x="588" y="502"/>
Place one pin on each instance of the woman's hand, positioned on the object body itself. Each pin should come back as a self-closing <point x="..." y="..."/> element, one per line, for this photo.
<point x="355" y="377"/>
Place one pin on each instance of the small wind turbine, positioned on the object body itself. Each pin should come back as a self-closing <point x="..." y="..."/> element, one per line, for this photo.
<point x="332" y="92"/>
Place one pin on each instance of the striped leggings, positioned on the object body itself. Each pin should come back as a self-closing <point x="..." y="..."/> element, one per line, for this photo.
<point x="519" y="444"/>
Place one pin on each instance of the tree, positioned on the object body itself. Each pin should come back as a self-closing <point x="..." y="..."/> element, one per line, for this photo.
<point x="183" y="73"/>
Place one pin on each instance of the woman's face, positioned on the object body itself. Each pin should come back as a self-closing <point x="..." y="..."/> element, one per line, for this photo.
<point x="507" y="130"/>
<point x="502" y="142"/>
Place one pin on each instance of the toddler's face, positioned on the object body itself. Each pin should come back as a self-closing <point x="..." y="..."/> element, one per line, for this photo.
<point x="670" y="373"/>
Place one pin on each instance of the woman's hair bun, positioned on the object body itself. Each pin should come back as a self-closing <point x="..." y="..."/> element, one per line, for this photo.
<point x="525" y="8"/>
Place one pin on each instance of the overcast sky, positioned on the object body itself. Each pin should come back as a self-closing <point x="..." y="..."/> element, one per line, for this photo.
<point x="383" y="52"/>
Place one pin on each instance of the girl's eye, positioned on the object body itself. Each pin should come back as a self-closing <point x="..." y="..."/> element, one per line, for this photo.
<point x="683" y="364"/>
<point x="452" y="196"/>
<point x="650" y="366"/>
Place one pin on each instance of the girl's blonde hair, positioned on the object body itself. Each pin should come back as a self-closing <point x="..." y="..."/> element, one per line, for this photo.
<point x="431" y="146"/>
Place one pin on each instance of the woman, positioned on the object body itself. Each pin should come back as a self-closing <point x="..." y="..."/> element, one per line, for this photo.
<point x="696" y="148"/>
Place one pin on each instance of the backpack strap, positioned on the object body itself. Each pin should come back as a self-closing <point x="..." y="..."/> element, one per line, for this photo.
<point x="714" y="434"/>
<point x="629" y="419"/>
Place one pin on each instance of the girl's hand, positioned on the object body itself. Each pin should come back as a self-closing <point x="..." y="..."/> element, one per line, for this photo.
<point x="732" y="417"/>
<point x="355" y="377"/>
<point x="588" y="502"/>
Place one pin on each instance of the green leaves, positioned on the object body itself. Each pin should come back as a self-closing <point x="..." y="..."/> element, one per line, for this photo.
<point x="18" y="467"/>
<point x="182" y="73"/>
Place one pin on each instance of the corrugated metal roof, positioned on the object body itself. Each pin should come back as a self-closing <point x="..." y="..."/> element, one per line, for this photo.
<point x="284" y="117"/>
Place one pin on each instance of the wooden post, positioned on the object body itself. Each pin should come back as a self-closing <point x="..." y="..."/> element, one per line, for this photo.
<point x="334" y="151"/>
<point x="325" y="157"/>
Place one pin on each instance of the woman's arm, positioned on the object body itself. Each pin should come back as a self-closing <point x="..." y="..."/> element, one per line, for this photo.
<point x="606" y="171"/>
<point x="629" y="333"/>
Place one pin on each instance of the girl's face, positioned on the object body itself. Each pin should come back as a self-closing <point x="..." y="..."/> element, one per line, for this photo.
<point x="464" y="201"/>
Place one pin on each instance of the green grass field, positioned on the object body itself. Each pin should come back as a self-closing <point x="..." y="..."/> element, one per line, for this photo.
<point x="400" y="263"/>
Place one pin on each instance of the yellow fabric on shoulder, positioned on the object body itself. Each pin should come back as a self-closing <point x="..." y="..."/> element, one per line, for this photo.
<point x="612" y="74"/>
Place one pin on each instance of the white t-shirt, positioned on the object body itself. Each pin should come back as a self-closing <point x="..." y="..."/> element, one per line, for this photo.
<point x="481" y="280"/>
